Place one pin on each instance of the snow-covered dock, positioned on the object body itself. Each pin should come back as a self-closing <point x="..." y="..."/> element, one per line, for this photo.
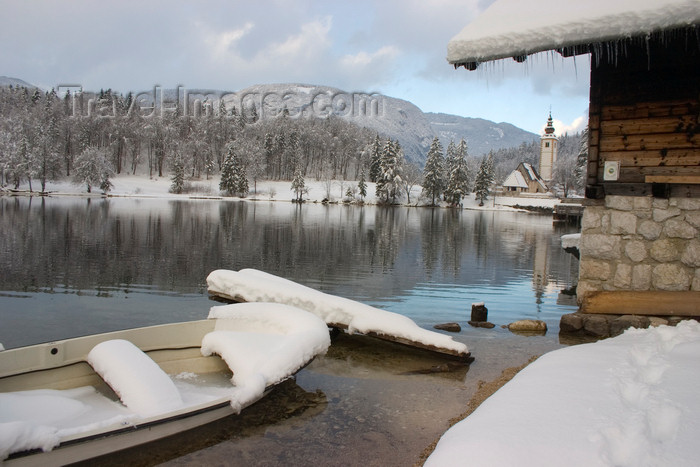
<point x="250" y="285"/>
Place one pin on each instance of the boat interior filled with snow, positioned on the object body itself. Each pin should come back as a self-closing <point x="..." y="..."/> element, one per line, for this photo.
<point x="80" y="398"/>
<point x="349" y="316"/>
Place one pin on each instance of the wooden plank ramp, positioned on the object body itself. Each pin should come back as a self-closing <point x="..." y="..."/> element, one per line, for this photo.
<point x="339" y="313"/>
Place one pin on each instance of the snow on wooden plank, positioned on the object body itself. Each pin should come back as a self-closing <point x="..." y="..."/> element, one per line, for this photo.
<point x="250" y="285"/>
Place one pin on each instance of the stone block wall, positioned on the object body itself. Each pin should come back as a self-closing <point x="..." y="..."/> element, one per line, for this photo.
<point x="640" y="243"/>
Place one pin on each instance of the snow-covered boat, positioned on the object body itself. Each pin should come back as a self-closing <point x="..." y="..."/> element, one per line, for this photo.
<point x="79" y="398"/>
<point x="251" y="285"/>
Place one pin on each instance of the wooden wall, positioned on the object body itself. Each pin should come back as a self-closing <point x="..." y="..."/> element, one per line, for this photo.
<point x="645" y="113"/>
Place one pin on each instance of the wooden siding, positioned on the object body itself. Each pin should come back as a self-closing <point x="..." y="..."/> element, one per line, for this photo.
<point x="645" y="114"/>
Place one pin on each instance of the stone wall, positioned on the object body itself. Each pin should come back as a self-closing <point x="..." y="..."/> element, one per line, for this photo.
<point x="640" y="243"/>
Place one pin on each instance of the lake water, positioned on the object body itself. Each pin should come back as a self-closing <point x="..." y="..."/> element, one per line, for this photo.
<point x="74" y="266"/>
<point x="71" y="266"/>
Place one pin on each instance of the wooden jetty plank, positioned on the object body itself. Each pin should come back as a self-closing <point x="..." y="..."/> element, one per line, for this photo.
<point x="648" y="302"/>
<point x="462" y="356"/>
<point x="409" y="343"/>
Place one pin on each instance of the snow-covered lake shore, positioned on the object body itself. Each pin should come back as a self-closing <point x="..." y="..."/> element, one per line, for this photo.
<point x="141" y="186"/>
<point x="624" y="401"/>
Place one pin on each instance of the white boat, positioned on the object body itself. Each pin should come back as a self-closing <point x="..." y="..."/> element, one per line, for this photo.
<point x="79" y="398"/>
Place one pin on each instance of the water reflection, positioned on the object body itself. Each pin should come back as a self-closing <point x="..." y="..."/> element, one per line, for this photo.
<point x="427" y="263"/>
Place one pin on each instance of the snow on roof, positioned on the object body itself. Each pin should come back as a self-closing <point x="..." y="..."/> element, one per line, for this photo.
<point x="252" y="285"/>
<point x="515" y="28"/>
<point x="630" y="400"/>
<point x="530" y="171"/>
<point x="515" y="179"/>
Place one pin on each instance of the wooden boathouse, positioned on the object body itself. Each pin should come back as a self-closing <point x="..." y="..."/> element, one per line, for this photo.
<point x="640" y="238"/>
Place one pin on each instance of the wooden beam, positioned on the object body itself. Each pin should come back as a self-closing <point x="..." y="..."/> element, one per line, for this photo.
<point x="685" y="179"/>
<point x="648" y="302"/>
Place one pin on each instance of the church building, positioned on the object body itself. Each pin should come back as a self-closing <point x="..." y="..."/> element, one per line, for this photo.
<point x="548" y="151"/>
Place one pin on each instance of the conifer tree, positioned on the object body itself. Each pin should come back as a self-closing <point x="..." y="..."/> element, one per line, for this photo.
<point x="362" y="185"/>
<point x="458" y="178"/>
<point x="178" y="179"/>
<point x="434" y="171"/>
<point x="375" y="160"/>
<point x="484" y="179"/>
<point x="234" y="180"/>
<point x="389" y="182"/>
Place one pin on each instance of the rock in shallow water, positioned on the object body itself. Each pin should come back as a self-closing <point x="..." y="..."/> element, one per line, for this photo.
<point x="482" y="324"/>
<point x="528" y="325"/>
<point x="451" y="327"/>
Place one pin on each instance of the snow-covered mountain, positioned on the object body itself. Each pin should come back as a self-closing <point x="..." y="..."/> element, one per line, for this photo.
<point x="16" y="82"/>
<point x="481" y="135"/>
<point x="390" y="117"/>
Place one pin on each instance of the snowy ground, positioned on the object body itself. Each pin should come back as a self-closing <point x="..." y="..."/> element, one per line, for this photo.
<point x="158" y="187"/>
<point x="627" y="401"/>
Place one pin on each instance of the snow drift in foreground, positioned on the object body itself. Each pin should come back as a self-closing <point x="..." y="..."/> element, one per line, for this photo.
<point x="252" y="285"/>
<point x="262" y="343"/>
<point x="627" y="401"/>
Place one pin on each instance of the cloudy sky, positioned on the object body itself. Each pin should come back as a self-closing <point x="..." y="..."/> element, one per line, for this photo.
<point x="396" y="47"/>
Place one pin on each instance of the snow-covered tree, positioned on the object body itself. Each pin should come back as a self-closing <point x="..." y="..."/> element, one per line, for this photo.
<point x="389" y="181"/>
<point x="582" y="161"/>
<point x="178" y="179"/>
<point x="434" y="171"/>
<point x="92" y="168"/>
<point x="484" y="179"/>
<point x="458" y="178"/>
<point x="234" y="180"/>
<point x="375" y="160"/>
<point x="411" y="176"/>
<point x="362" y="185"/>
<point x="298" y="184"/>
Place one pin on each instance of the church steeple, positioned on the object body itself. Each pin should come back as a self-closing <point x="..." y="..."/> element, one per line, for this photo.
<point x="548" y="150"/>
<point x="549" y="129"/>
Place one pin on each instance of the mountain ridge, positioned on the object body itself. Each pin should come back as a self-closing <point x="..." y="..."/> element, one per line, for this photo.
<point x="391" y="117"/>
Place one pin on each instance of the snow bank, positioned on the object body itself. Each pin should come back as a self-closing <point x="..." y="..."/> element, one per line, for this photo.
<point x="263" y="344"/>
<point x="256" y="286"/>
<point x="518" y="27"/>
<point x="138" y="381"/>
<point x="627" y="401"/>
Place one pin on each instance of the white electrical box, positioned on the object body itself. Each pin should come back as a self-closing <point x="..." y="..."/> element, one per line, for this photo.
<point x="611" y="171"/>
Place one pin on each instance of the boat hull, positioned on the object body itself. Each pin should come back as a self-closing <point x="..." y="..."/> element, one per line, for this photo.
<point x="62" y="365"/>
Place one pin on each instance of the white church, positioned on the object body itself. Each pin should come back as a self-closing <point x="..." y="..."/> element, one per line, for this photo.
<point x="525" y="178"/>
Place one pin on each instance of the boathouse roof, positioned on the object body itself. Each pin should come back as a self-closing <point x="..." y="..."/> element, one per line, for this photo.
<point x="518" y="28"/>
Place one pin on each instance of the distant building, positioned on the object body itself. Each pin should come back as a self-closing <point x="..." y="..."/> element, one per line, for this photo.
<point x="548" y="151"/>
<point x="524" y="179"/>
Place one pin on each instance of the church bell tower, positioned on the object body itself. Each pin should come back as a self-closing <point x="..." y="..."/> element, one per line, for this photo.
<point x="548" y="150"/>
